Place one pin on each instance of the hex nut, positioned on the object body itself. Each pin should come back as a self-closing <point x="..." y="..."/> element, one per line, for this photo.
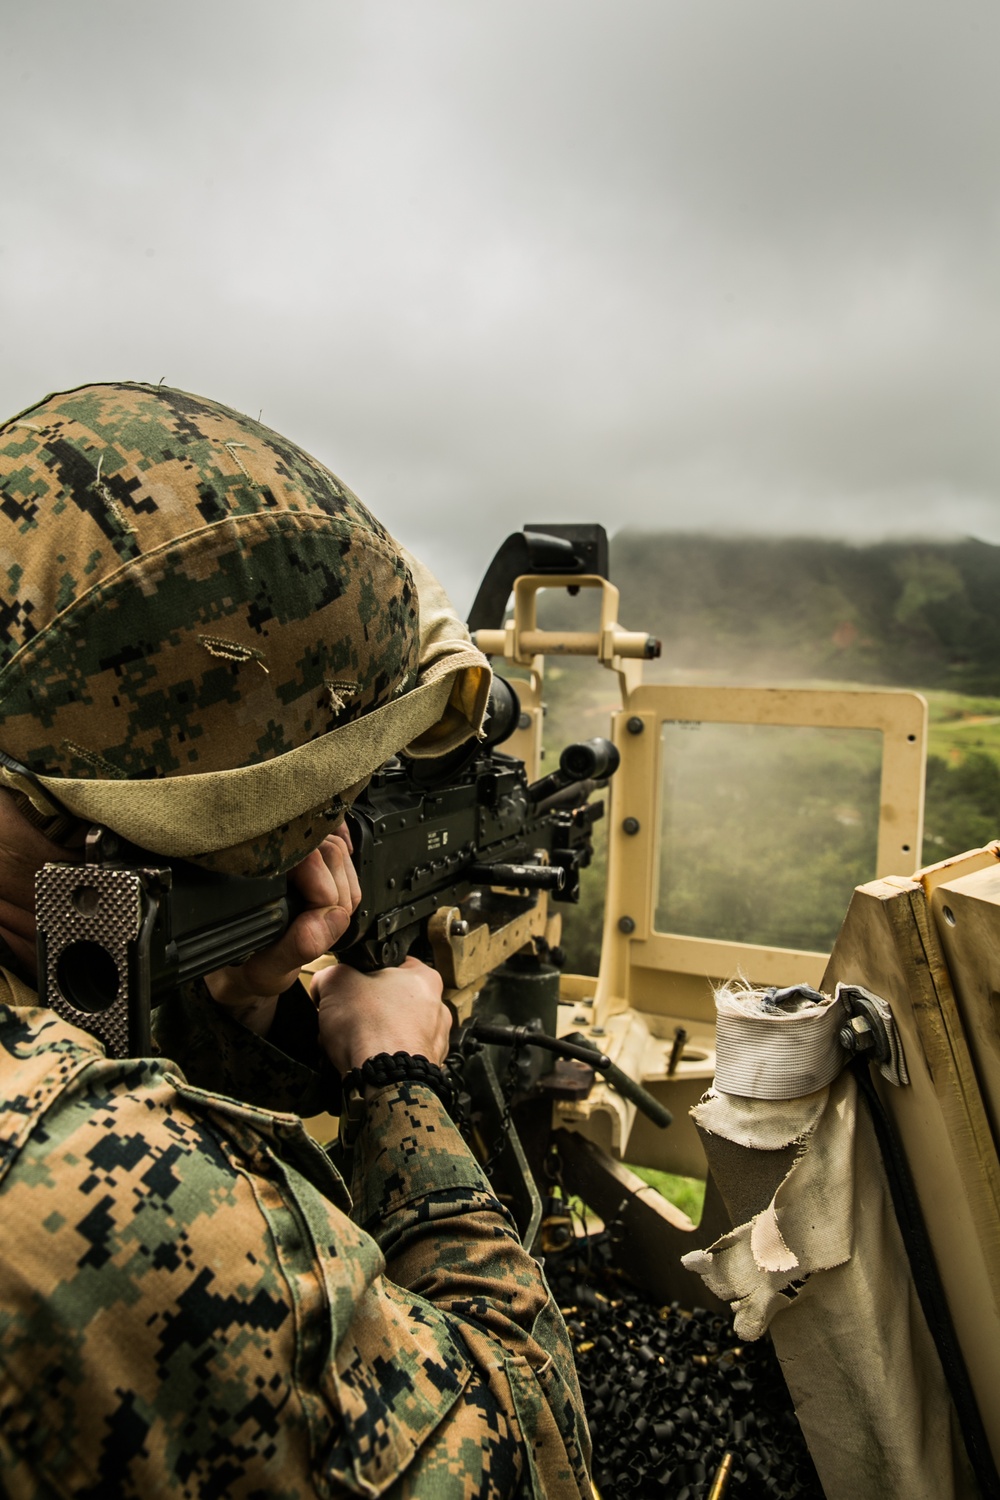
<point x="857" y="1035"/>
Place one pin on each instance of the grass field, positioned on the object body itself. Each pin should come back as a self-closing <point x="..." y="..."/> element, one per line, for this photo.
<point x="958" y="724"/>
<point x="688" y="1193"/>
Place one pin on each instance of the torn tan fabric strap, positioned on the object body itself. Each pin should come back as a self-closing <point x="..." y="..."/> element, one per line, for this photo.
<point x="778" y="1055"/>
<point x="181" y="816"/>
<point x="823" y="1267"/>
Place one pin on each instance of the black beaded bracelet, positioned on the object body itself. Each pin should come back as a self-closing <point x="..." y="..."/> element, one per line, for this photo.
<point x="400" y="1067"/>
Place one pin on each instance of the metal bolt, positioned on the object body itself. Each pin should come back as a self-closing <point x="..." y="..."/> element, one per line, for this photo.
<point x="459" y="928"/>
<point x="626" y="924"/>
<point x="630" y="825"/>
<point x="857" y="1035"/>
<point x="676" y="1050"/>
<point x="524" y="721"/>
<point x="635" y="725"/>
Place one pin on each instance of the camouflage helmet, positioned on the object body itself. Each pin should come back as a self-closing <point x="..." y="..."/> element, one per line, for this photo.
<point x="192" y="605"/>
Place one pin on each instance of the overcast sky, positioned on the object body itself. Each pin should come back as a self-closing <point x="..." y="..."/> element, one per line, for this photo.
<point x="686" y="263"/>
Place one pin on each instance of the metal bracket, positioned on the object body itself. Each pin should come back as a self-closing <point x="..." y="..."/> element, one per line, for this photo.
<point x="871" y="1032"/>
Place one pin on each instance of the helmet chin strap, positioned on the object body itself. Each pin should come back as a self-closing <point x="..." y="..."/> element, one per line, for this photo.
<point x="38" y="806"/>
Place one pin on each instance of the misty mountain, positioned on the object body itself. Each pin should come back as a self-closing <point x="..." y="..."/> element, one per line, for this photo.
<point x="919" y="614"/>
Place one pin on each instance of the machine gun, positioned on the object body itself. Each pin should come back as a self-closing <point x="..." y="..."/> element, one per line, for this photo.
<point x="456" y="859"/>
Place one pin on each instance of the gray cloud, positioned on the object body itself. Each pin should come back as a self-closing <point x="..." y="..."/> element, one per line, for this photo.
<point x="729" y="263"/>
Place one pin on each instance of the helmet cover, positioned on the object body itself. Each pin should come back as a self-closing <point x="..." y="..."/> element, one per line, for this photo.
<point x="185" y="591"/>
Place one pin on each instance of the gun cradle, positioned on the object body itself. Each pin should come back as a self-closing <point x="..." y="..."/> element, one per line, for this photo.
<point x="472" y="939"/>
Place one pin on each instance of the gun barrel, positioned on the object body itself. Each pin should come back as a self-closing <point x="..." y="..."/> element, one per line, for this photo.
<point x="227" y="942"/>
<point x="518" y="877"/>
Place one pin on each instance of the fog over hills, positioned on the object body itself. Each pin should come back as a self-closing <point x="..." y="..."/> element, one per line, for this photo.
<point x="914" y="613"/>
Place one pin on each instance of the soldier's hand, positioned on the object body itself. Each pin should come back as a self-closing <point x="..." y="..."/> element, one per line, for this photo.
<point x="327" y="881"/>
<point x="392" y="1010"/>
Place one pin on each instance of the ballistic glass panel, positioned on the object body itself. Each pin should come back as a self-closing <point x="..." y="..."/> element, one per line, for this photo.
<point x="765" y="830"/>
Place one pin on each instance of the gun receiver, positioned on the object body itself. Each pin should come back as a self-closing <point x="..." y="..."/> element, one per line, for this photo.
<point x="457" y="858"/>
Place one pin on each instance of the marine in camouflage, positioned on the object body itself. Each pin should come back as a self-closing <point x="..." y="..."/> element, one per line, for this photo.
<point x="186" y="591"/>
<point x="189" y="1304"/>
<point x="187" y="1309"/>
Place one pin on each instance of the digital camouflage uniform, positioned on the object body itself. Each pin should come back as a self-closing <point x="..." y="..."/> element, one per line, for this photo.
<point x="189" y="1305"/>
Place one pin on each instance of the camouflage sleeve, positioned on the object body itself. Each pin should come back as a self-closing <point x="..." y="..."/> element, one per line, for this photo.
<point x="186" y="1309"/>
<point x="422" y="1196"/>
<point x="215" y="1052"/>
